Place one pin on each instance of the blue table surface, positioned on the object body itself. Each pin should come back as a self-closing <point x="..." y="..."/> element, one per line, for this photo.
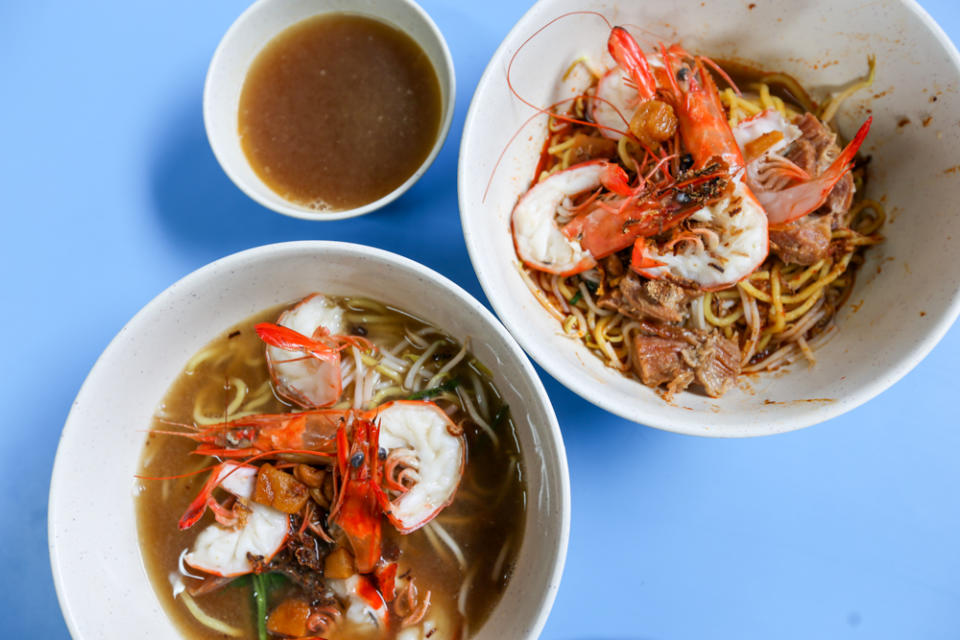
<point x="847" y="529"/>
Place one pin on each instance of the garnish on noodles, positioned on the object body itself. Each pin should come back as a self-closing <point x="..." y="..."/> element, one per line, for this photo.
<point x="337" y="470"/>
<point x="687" y="234"/>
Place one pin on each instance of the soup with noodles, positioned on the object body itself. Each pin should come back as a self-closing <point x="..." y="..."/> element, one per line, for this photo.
<point x="337" y="469"/>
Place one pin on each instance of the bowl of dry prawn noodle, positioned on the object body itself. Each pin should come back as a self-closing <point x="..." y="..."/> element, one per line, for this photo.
<point x="714" y="219"/>
<point x="310" y="440"/>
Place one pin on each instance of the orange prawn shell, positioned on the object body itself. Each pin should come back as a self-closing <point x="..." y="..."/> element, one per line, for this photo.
<point x="293" y="434"/>
<point x="703" y="122"/>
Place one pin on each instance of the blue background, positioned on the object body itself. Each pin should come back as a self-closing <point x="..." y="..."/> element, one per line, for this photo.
<point x="111" y="193"/>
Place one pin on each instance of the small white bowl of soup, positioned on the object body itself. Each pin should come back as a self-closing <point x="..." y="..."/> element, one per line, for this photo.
<point x="889" y="313"/>
<point x="492" y="558"/>
<point x="329" y="109"/>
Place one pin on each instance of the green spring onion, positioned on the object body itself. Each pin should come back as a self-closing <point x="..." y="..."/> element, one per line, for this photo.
<point x="449" y="385"/>
<point x="260" y="599"/>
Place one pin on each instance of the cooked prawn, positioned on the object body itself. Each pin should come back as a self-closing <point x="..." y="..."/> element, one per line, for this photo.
<point x="304" y="351"/>
<point x="794" y="202"/>
<point x="737" y="222"/>
<point x="623" y="88"/>
<point x="249" y="529"/>
<point x="537" y="236"/>
<point x="762" y="138"/>
<point x="433" y="446"/>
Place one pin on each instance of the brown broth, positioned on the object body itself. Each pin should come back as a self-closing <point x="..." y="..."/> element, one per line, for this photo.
<point x="338" y="111"/>
<point x="480" y="532"/>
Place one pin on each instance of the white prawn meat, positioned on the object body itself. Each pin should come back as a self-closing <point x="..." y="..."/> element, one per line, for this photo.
<point x="425" y="459"/>
<point x="310" y="382"/>
<point x="223" y="550"/>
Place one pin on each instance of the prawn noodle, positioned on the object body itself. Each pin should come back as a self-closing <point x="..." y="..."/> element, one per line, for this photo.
<point x="451" y="556"/>
<point x="780" y="312"/>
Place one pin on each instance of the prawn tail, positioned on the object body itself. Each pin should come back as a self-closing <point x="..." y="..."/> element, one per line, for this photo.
<point x="282" y="337"/>
<point x="615" y="179"/>
<point x="629" y="56"/>
<point x="793" y="203"/>
<point x="199" y="505"/>
<point x="640" y="260"/>
<point x="287" y="339"/>
<point x="846" y="156"/>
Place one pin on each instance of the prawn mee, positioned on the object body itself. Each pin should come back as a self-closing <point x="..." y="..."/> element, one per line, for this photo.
<point x="687" y="234"/>
<point x="338" y="469"/>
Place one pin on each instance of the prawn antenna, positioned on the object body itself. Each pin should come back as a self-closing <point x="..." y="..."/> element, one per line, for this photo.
<point x="519" y="97"/>
<point x="542" y="111"/>
<point x="723" y="74"/>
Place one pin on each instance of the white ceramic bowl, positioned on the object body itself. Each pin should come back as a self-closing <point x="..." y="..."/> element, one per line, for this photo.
<point x="103" y="587"/>
<point x="245" y="39"/>
<point x="906" y="307"/>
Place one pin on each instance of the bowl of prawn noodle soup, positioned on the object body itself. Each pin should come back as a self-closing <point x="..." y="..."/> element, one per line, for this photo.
<point x="905" y="295"/>
<point x="99" y="570"/>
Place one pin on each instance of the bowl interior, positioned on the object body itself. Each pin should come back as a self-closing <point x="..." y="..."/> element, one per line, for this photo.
<point x="101" y="582"/>
<point x="906" y="294"/>
<point x="246" y="38"/>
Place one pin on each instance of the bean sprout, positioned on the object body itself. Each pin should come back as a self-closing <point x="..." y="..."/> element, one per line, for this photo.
<point x="450" y="542"/>
<point x="454" y="361"/>
<point x="480" y="422"/>
<point x="408" y="382"/>
<point x="208" y="621"/>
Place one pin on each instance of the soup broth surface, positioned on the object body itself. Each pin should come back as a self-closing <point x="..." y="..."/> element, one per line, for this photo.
<point x="485" y="519"/>
<point x="338" y="111"/>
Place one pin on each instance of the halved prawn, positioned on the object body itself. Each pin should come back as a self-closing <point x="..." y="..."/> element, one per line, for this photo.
<point x="724" y="243"/>
<point x="248" y="529"/>
<point x="303" y="352"/>
<point x="256" y="435"/>
<point x="426" y="453"/>
<point x="784" y="205"/>
<point x="360" y="499"/>
<point x="537" y="236"/>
